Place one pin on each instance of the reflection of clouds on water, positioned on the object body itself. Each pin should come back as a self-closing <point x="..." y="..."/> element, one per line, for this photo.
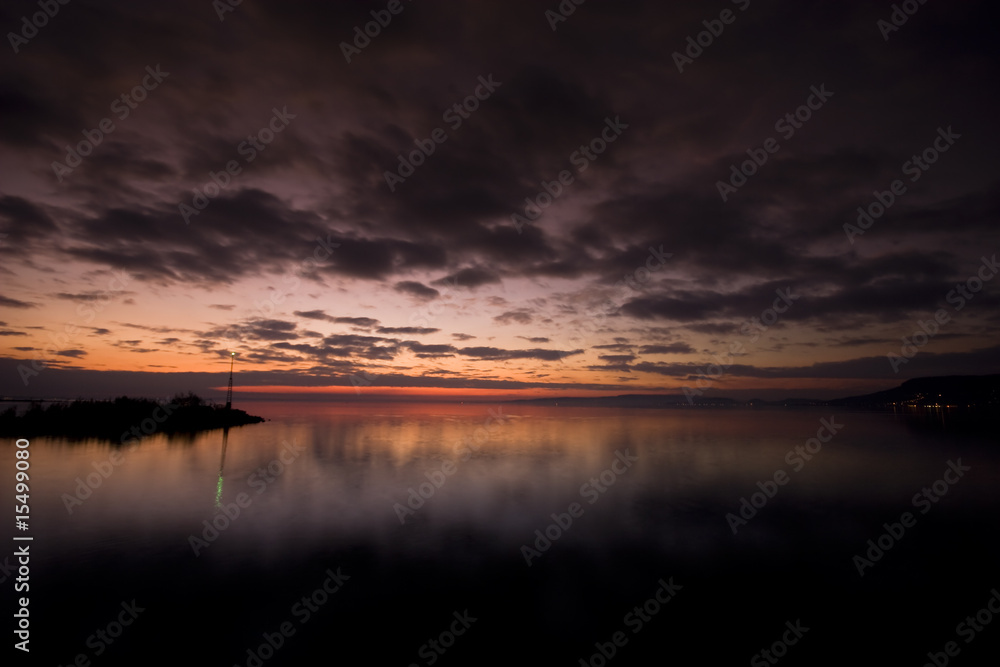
<point x="664" y="516"/>
<point x="357" y="462"/>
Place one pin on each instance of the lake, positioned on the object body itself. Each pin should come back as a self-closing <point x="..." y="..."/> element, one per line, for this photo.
<point x="510" y="534"/>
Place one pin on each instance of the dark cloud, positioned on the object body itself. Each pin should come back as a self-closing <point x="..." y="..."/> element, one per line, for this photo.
<point x="617" y="358"/>
<point x="513" y="317"/>
<point x="416" y="289"/>
<point x="23" y="222"/>
<point x="429" y="351"/>
<point x="87" y="296"/>
<point x="311" y="314"/>
<point x="7" y="302"/>
<point x="673" y="348"/>
<point x="615" y="347"/>
<point x="413" y="331"/>
<point x="469" y="278"/>
<point x="876" y="367"/>
<point x="495" y="354"/>
<point x="312" y="216"/>
<point x="254" y="329"/>
<point x="361" y="322"/>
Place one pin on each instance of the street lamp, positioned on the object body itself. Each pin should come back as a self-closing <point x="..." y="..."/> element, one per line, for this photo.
<point x="229" y="394"/>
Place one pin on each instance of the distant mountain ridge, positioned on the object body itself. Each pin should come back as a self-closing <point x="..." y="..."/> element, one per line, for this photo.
<point x="966" y="391"/>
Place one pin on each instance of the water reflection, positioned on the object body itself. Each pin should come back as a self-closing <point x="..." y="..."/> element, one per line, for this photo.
<point x="501" y="477"/>
<point x="222" y="465"/>
<point x="476" y="482"/>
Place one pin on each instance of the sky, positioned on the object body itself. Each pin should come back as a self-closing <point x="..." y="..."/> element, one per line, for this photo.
<point x="518" y="198"/>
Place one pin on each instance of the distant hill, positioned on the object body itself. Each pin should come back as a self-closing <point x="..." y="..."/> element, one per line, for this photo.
<point x="632" y="401"/>
<point x="966" y="391"/>
<point x="946" y="391"/>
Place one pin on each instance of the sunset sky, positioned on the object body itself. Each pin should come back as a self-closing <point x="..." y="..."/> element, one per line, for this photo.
<point x="327" y="266"/>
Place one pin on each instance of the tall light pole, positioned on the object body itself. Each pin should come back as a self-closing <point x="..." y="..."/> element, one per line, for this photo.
<point x="229" y="394"/>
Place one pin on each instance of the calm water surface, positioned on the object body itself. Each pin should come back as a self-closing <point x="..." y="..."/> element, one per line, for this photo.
<point x="419" y="518"/>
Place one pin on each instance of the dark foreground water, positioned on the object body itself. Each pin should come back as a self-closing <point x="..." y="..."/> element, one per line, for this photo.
<point x="333" y="560"/>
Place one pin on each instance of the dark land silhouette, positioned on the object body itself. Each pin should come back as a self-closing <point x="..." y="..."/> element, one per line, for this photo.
<point x="115" y="419"/>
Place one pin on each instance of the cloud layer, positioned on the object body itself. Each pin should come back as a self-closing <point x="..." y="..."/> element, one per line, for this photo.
<point x="241" y="199"/>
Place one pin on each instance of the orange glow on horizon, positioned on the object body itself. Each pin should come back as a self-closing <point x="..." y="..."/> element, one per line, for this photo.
<point x="436" y="393"/>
